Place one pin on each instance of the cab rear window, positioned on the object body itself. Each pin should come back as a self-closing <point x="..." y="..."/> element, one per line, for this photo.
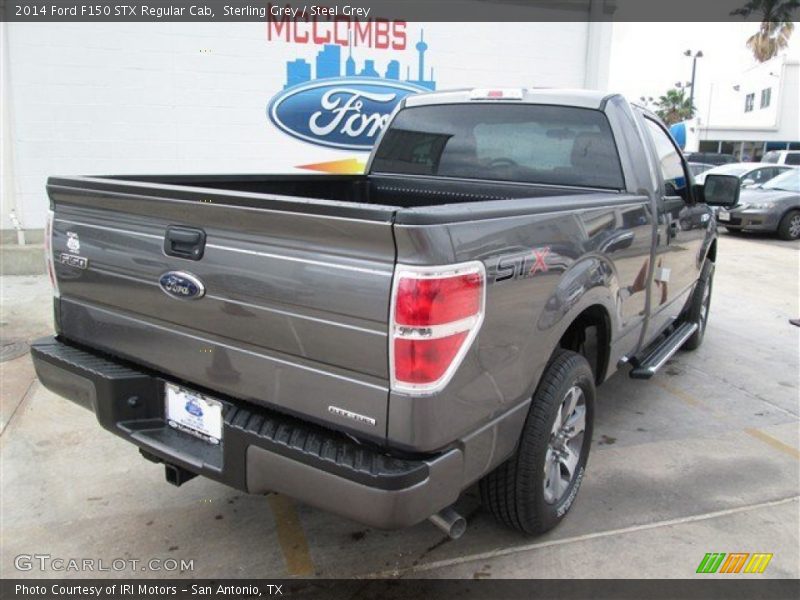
<point x="526" y="143"/>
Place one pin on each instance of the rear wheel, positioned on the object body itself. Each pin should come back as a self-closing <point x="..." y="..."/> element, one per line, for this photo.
<point x="534" y="489"/>
<point x="700" y="306"/>
<point x="789" y="228"/>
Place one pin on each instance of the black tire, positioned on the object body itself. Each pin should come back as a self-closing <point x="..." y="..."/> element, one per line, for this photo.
<point x="700" y="306"/>
<point x="516" y="492"/>
<point x="789" y="228"/>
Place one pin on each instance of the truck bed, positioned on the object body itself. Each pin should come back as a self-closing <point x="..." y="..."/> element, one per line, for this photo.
<point x="336" y="191"/>
<point x="297" y="271"/>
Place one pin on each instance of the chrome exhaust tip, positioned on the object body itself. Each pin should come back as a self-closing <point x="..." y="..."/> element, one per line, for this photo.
<point x="449" y="521"/>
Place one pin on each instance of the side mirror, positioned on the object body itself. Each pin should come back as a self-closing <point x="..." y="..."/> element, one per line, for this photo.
<point x="721" y="190"/>
<point x="748" y="182"/>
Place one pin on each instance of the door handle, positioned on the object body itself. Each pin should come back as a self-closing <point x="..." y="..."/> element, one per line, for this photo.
<point x="184" y="242"/>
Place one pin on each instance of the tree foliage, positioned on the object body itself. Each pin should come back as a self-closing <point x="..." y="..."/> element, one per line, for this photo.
<point x="776" y="26"/>
<point x="674" y="107"/>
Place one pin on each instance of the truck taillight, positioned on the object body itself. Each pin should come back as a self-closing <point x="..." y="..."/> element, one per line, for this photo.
<point x="436" y="314"/>
<point x="48" y="252"/>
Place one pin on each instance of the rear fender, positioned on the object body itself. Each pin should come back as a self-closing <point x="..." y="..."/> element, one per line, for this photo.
<point x="592" y="281"/>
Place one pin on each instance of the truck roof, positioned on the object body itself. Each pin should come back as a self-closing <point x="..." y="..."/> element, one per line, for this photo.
<point x="564" y="97"/>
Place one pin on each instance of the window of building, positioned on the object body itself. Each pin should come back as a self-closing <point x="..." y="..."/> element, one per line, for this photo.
<point x="709" y="146"/>
<point x="749" y="102"/>
<point x="766" y="96"/>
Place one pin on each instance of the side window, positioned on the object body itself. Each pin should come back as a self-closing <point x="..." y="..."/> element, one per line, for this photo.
<point x="762" y="175"/>
<point x="766" y="96"/>
<point x="792" y="159"/>
<point x="669" y="160"/>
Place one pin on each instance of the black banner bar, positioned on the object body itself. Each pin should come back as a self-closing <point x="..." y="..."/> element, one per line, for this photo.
<point x="729" y="588"/>
<point x="407" y="10"/>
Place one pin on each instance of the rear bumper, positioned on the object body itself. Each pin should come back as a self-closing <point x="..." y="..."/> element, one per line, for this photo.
<point x="261" y="451"/>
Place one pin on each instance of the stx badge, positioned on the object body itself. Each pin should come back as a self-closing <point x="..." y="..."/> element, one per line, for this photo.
<point x="522" y="264"/>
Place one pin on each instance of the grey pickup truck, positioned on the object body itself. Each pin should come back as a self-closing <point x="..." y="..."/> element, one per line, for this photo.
<point x="375" y="344"/>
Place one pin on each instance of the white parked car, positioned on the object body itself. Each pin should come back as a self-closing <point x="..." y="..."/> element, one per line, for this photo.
<point x="782" y="157"/>
<point x="749" y="173"/>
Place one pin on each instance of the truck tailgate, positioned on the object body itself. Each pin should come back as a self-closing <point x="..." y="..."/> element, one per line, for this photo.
<point x="296" y="301"/>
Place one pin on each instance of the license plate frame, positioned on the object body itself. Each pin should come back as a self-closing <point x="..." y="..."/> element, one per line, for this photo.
<point x="193" y="413"/>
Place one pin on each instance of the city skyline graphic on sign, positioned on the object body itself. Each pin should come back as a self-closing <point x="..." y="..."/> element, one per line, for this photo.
<point x="328" y="65"/>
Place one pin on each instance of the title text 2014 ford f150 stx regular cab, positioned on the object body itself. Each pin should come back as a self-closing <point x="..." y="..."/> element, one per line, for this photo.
<point x="375" y="344"/>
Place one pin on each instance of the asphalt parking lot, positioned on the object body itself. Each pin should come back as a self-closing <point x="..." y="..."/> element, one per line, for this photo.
<point x="704" y="458"/>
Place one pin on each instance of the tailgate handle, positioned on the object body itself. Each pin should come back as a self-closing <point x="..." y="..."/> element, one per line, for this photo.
<point x="184" y="242"/>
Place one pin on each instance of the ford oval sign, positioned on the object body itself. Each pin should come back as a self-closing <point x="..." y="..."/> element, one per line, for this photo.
<point x="182" y="285"/>
<point x="345" y="113"/>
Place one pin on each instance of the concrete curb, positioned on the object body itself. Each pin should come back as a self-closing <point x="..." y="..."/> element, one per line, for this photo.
<point x="22" y="260"/>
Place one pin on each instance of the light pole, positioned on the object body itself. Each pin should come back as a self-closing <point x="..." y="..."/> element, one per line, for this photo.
<point x="680" y="85"/>
<point x="694" y="57"/>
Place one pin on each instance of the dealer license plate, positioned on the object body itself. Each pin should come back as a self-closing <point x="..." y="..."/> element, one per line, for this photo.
<point x="724" y="215"/>
<point x="194" y="413"/>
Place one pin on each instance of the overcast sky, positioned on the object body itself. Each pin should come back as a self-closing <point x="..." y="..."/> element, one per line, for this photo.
<point x="647" y="58"/>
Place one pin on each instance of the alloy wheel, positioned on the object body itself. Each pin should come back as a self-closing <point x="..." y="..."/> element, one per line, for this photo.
<point x="565" y="446"/>
<point x="794" y="227"/>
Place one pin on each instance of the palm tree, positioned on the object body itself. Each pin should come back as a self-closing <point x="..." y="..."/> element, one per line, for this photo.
<point x="674" y="107"/>
<point x="776" y="26"/>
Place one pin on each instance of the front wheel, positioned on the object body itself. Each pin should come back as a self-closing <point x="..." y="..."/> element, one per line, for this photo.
<point x="534" y="489"/>
<point x="700" y="306"/>
<point x="789" y="228"/>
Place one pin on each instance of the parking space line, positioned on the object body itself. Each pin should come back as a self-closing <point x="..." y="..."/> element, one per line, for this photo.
<point x="687" y="398"/>
<point x="291" y="537"/>
<point x="5" y="426"/>
<point x="500" y="552"/>
<point x="752" y="432"/>
<point x="740" y="388"/>
<point x="775" y="443"/>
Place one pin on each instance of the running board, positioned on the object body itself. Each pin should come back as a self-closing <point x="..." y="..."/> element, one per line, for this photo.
<point x="650" y="364"/>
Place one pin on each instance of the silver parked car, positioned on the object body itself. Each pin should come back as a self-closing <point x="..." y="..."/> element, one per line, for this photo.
<point x="772" y="206"/>
<point x="749" y="173"/>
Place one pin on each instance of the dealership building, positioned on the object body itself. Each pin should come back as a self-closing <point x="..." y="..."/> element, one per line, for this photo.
<point x="752" y="114"/>
<point x="124" y="98"/>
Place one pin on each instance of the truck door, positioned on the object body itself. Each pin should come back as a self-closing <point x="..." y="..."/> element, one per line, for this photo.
<point x="682" y="226"/>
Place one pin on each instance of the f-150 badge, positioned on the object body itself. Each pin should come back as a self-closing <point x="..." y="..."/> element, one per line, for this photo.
<point x="78" y="262"/>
